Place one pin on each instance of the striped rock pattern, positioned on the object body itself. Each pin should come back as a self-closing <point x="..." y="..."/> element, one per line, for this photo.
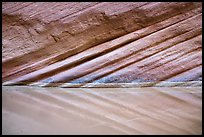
<point x="102" y="44"/>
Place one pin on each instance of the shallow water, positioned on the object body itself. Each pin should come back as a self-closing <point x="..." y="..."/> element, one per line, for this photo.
<point x="155" y="110"/>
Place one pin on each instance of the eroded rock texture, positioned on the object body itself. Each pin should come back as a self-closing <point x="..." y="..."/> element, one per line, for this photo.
<point x="107" y="43"/>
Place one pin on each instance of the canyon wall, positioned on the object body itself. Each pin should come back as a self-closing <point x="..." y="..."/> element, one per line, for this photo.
<point x="102" y="44"/>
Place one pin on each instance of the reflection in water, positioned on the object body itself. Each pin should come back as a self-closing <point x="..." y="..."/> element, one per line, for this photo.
<point x="155" y="110"/>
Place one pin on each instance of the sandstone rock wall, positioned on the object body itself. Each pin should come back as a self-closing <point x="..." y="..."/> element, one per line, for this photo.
<point x="102" y="43"/>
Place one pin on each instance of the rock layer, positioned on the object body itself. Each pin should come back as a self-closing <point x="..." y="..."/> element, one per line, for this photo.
<point x="60" y="44"/>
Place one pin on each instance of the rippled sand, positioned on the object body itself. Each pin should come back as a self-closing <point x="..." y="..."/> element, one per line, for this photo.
<point x="36" y="110"/>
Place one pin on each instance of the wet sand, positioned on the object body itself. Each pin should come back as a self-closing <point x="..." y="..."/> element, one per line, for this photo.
<point x="155" y="110"/>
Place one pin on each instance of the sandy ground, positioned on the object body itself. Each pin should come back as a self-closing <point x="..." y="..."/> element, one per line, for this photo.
<point x="35" y="110"/>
